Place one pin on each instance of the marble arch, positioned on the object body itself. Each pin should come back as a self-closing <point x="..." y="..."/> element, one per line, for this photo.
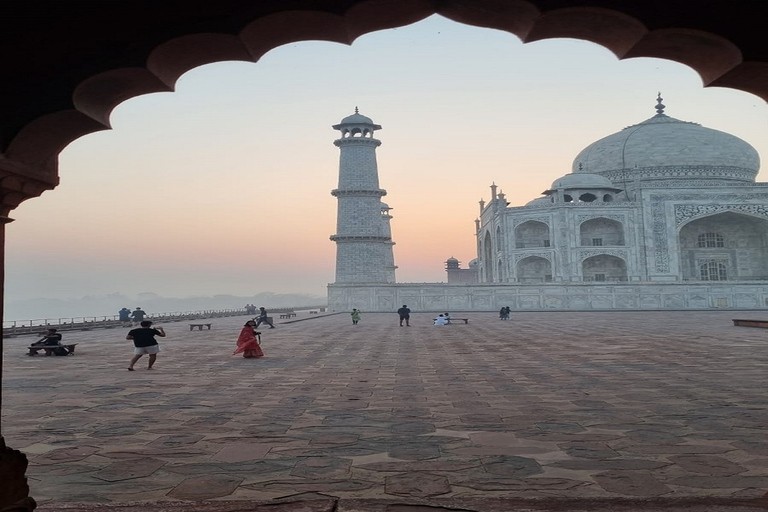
<point x="58" y="92"/>
<point x="67" y="66"/>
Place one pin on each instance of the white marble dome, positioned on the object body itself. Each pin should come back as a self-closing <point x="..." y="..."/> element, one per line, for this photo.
<point x="357" y="119"/>
<point x="664" y="145"/>
<point x="539" y="201"/>
<point x="581" y="181"/>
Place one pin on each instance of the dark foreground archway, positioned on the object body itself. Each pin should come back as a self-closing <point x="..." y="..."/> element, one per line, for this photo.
<point x="67" y="64"/>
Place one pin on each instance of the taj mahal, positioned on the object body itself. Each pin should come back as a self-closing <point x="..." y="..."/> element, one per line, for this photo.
<point x="664" y="214"/>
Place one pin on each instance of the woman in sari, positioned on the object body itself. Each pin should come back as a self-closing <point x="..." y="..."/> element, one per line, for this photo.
<point x="248" y="341"/>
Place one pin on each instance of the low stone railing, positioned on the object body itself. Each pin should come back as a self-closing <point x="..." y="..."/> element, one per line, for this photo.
<point x="86" y="323"/>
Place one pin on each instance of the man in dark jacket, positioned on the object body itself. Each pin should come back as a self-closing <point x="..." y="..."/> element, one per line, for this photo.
<point x="405" y="314"/>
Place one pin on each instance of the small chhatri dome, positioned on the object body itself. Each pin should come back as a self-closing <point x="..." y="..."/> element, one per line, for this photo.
<point x="582" y="181"/>
<point x="357" y="118"/>
<point x="663" y="147"/>
<point x="451" y="263"/>
<point x="540" y="201"/>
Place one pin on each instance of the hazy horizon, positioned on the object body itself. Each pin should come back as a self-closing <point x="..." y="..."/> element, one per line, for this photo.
<point x="152" y="303"/>
<point x="222" y="187"/>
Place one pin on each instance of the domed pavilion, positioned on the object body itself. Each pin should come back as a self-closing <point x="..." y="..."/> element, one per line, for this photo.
<point x="661" y="201"/>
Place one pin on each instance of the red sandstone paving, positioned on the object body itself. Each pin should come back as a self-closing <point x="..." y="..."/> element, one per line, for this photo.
<point x="553" y="406"/>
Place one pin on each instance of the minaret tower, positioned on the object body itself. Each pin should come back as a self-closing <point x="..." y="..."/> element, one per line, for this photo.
<point x="363" y="236"/>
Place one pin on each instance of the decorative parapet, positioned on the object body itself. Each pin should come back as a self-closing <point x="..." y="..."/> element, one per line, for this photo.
<point x="619" y="253"/>
<point x="593" y="204"/>
<point x="617" y="217"/>
<point x="687" y="212"/>
<point x="681" y="171"/>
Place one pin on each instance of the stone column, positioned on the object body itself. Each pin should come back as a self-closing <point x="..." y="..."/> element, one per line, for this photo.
<point x="18" y="182"/>
<point x="14" y="490"/>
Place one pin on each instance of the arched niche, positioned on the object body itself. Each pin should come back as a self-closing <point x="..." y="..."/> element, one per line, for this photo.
<point x="604" y="268"/>
<point x="601" y="232"/>
<point x="532" y="233"/>
<point x="488" y="259"/>
<point x="534" y="269"/>
<point x="724" y="246"/>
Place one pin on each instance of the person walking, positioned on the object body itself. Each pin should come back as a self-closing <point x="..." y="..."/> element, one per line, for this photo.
<point x="405" y="315"/>
<point x="138" y="316"/>
<point x="355" y="316"/>
<point x="263" y="318"/>
<point x="125" y="317"/>
<point x="144" y="342"/>
<point x="248" y="341"/>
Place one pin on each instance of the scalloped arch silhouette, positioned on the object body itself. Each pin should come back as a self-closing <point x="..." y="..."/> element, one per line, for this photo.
<point x="34" y="147"/>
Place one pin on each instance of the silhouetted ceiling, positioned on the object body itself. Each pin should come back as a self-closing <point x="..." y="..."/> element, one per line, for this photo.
<point x="67" y="63"/>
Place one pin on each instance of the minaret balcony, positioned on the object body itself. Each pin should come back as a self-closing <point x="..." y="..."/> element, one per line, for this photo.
<point x="360" y="238"/>
<point x="357" y="141"/>
<point x="358" y="192"/>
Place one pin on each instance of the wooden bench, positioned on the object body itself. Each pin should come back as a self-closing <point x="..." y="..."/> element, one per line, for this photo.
<point x="313" y="312"/>
<point x="287" y="315"/>
<point x="199" y="326"/>
<point x="751" y="323"/>
<point x="50" y="348"/>
<point x="452" y="320"/>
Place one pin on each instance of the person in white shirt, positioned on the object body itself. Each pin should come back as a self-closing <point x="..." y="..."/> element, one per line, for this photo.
<point x="441" y="320"/>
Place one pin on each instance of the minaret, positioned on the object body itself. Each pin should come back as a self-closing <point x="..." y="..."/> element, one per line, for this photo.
<point x="363" y="236"/>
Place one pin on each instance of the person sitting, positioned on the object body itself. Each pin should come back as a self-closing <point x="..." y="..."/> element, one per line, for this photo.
<point x="440" y="320"/>
<point x="51" y="339"/>
<point x="447" y="318"/>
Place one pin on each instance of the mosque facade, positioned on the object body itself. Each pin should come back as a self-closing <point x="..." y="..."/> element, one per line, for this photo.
<point x="664" y="214"/>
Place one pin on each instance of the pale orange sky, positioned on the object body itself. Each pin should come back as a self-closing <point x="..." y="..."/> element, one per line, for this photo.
<point x="223" y="186"/>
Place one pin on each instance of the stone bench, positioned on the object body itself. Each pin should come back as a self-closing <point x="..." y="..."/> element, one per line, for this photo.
<point x="451" y="320"/>
<point x="199" y="326"/>
<point x="751" y="323"/>
<point x="287" y="315"/>
<point x="33" y="350"/>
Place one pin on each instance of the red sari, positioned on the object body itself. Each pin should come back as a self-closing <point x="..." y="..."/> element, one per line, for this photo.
<point x="248" y="344"/>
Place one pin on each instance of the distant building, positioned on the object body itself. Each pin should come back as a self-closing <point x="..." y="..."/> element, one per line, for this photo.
<point x="458" y="275"/>
<point x="664" y="214"/>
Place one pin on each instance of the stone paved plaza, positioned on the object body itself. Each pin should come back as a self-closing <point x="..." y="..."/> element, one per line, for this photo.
<point x="572" y="405"/>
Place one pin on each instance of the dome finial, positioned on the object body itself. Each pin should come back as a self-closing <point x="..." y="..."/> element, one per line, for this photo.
<point x="356" y="112"/>
<point x="659" y="105"/>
